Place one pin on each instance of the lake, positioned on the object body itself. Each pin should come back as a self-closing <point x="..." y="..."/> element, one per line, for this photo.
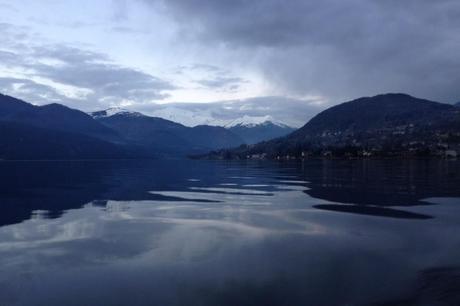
<point x="179" y="232"/>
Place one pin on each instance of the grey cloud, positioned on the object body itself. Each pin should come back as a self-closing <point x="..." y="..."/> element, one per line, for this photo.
<point x="217" y="78"/>
<point x="69" y="54"/>
<point x="120" y="10"/>
<point x="32" y="92"/>
<point x="302" y="22"/>
<point x="13" y="36"/>
<point x="71" y="24"/>
<point x="94" y="71"/>
<point x="8" y="58"/>
<point x="222" y="82"/>
<point x="103" y="81"/>
<point x="339" y="49"/>
<point x="128" y="30"/>
<point x="206" y="67"/>
<point x="7" y="6"/>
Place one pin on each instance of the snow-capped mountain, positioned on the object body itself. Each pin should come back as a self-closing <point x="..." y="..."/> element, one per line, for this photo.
<point x="164" y="137"/>
<point x="253" y="132"/>
<point x="253" y="121"/>
<point x="250" y="129"/>
<point x="114" y="111"/>
<point x="209" y="116"/>
<point x="188" y="117"/>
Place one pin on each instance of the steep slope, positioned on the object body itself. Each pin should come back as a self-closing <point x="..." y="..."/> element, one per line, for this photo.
<point x="375" y="113"/>
<point x="254" y="133"/>
<point x="10" y="106"/>
<point x="52" y="132"/>
<point x="52" y="116"/>
<point x="60" y="117"/>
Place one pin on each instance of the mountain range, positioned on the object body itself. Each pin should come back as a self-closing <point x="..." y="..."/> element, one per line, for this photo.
<point x="383" y="125"/>
<point x="55" y="131"/>
<point x="159" y="135"/>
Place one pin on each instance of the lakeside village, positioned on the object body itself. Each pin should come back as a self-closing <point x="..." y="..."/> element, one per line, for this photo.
<point x="360" y="153"/>
<point x="397" y="144"/>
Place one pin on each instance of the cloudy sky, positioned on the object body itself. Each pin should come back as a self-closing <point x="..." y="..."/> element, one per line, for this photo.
<point x="283" y="59"/>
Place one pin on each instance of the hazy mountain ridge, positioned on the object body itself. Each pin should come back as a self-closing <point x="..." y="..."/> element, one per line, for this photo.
<point x="390" y="124"/>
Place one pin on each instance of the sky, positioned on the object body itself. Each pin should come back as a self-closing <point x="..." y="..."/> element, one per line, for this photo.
<point x="285" y="60"/>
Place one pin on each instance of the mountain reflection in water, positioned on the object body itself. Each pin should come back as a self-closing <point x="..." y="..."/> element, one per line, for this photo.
<point x="229" y="233"/>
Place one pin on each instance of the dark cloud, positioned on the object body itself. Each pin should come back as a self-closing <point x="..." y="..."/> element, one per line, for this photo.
<point x="339" y="49"/>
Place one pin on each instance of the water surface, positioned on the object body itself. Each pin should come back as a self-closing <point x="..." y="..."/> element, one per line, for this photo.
<point x="230" y="233"/>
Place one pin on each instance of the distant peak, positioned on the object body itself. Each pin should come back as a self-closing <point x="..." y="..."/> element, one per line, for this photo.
<point x="115" y="111"/>
<point x="252" y="121"/>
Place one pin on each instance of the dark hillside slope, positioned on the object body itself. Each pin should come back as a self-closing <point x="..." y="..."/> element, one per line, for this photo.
<point x="375" y="113"/>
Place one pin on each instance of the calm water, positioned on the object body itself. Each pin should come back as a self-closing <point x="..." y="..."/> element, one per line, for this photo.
<point x="215" y="233"/>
